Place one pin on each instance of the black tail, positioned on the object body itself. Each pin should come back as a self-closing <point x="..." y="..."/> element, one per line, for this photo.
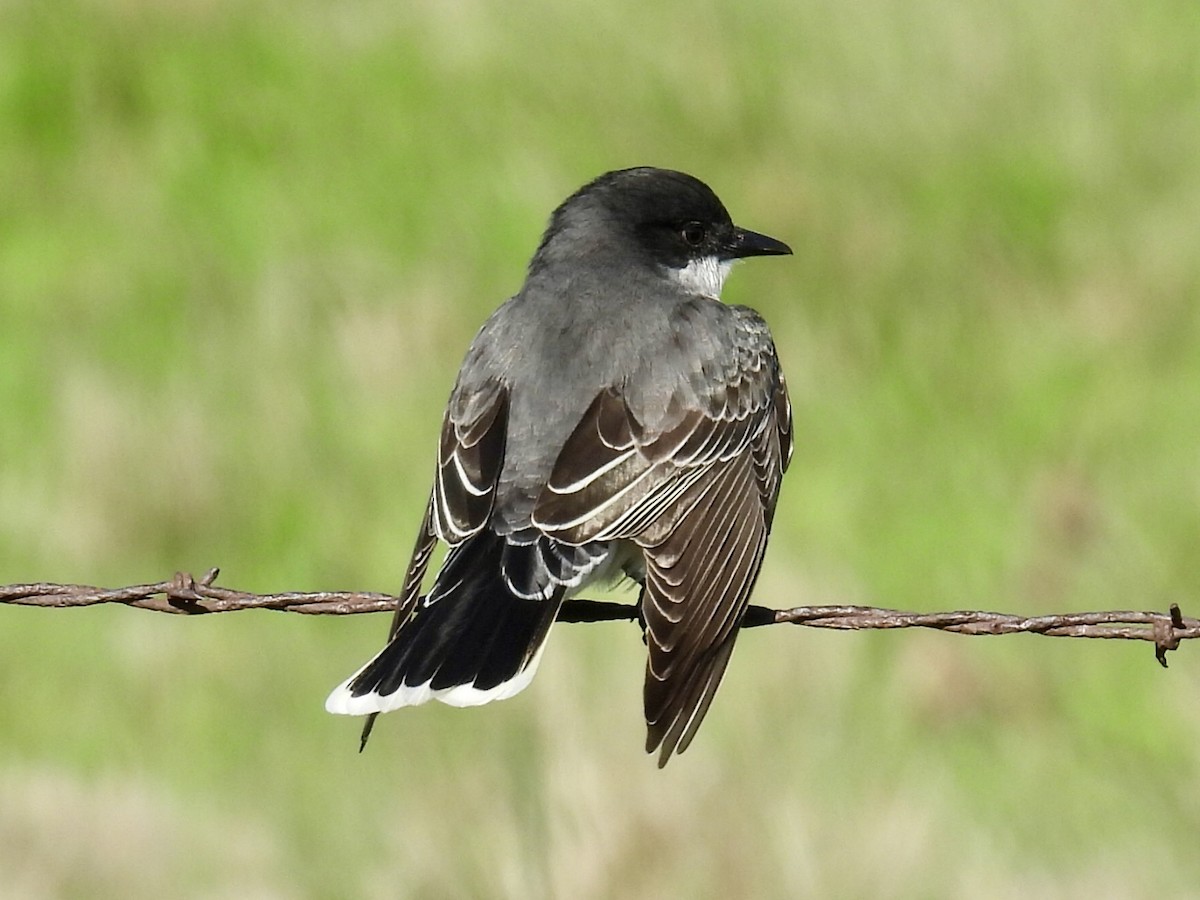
<point x="469" y="641"/>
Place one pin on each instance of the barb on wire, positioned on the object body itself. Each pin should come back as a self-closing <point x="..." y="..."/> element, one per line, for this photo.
<point x="186" y="595"/>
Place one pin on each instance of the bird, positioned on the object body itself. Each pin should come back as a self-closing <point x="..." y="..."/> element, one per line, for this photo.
<point x="612" y="420"/>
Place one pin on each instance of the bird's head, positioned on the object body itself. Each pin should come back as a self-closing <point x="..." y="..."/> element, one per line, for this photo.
<point x="656" y="218"/>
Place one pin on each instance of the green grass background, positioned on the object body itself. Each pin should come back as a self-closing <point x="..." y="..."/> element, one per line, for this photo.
<point x="243" y="246"/>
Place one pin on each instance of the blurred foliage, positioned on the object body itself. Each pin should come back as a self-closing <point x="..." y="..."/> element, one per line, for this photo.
<point x="242" y="249"/>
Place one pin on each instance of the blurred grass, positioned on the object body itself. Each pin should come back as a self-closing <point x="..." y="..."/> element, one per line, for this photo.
<point x="242" y="249"/>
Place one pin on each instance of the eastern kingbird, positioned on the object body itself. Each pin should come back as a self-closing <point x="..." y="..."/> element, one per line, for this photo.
<point x="613" y="418"/>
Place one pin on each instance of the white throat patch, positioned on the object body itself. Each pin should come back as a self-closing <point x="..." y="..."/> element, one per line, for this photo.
<point x="705" y="276"/>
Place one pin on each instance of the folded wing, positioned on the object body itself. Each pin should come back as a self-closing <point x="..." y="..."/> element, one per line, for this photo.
<point x="697" y="493"/>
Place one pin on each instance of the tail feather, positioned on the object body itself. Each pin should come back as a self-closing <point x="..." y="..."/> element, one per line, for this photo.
<point x="470" y="641"/>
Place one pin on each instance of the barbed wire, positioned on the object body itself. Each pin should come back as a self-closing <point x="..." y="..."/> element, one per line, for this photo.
<point x="185" y="595"/>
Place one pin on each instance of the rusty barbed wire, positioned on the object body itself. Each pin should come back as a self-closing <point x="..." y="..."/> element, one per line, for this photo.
<point x="185" y="595"/>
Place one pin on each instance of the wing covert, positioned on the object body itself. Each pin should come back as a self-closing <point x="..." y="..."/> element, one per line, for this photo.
<point x="470" y="457"/>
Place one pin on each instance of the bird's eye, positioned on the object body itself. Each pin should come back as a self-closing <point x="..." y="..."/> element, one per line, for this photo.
<point x="693" y="234"/>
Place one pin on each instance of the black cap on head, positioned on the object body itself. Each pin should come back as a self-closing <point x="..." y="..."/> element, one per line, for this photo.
<point x="662" y="216"/>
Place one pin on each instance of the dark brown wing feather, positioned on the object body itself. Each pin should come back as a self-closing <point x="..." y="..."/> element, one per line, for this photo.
<point x="698" y="583"/>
